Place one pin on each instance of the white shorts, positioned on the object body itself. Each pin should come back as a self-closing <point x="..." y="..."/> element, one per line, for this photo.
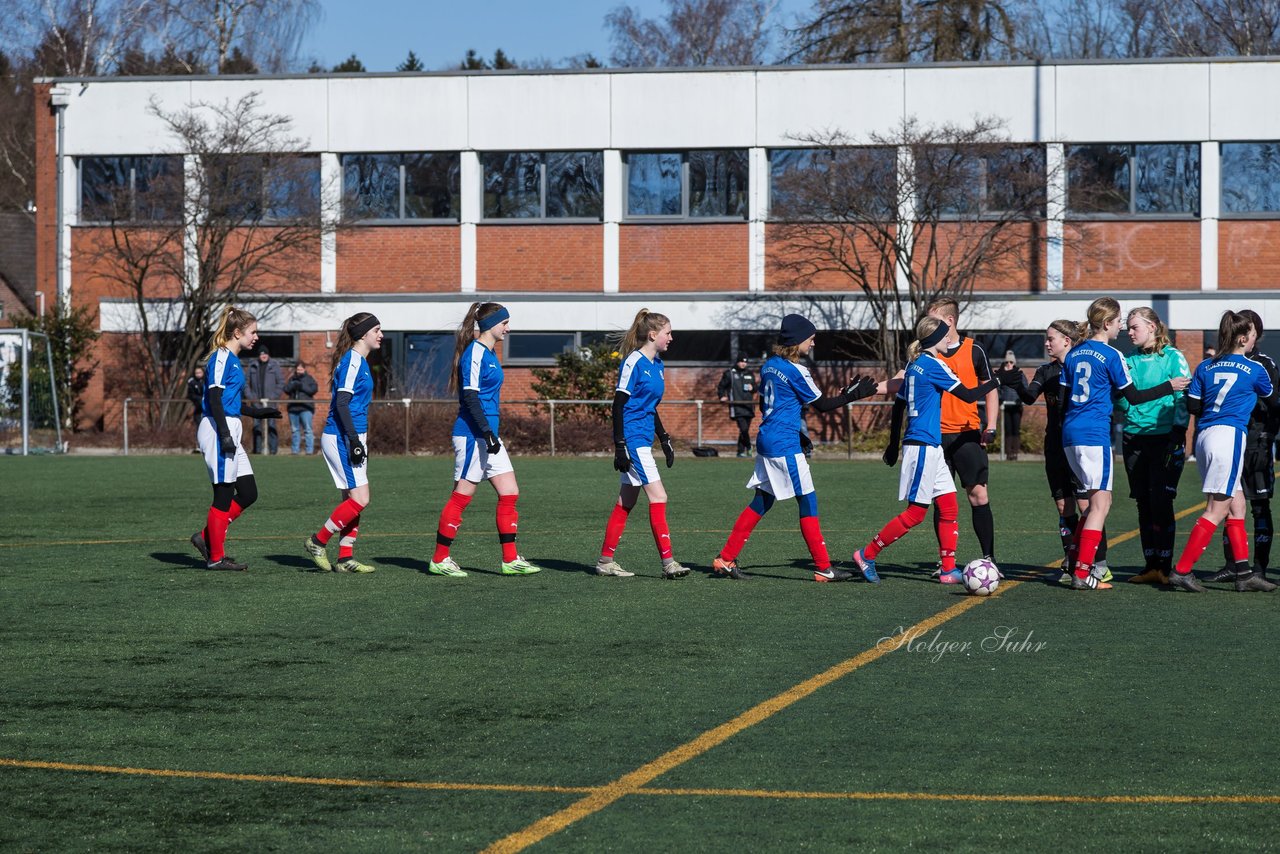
<point x="924" y="474"/>
<point x="782" y="477"/>
<point x="472" y="460"/>
<point x="1091" y="464"/>
<point x="1220" y="456"/>
<point x="345" y="476"/>
<point x="643" y="469"/>
<point x="222" y="469"/>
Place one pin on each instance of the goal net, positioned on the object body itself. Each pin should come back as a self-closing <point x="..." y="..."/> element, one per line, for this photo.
<point x="29" y="418"/>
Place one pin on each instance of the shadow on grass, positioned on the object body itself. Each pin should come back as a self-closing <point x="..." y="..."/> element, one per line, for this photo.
<point x="571" y="566"/>
<point x="293" y="561"/>
<point x="402" y="562"/>
<point x="182" y="560"/>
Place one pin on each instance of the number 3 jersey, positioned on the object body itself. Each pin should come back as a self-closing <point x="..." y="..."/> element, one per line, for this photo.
<point x="1229" y="388"/>
<point x="1091" y="373"/>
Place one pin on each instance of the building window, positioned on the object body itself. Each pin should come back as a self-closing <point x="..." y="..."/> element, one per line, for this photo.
<point x="1250" y="177"/>
<point x="980" y="181"/>
<point x="409" y="186"/>
<point x="832" y="184"/>
<point x="131" y="189"/>
<point x="689" y="184"/>
<point x="1124" y="180"/>
<point x="261" y="187"/>
<point x="539" y="346"/>
<point x="550" y="185"/>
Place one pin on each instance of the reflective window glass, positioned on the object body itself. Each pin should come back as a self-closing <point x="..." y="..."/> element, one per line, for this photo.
<point x="1098" y="178"/>
<point x="1166" y="178"/>
<point x="718" y="183"/>
<point x="1250" y="177"/>
<point x="432" y="185"/>
<point x="575" y="184"/>
<point x="654" y="184"/>
<point x="371" y="186"/>
<point x="512" y="185"/>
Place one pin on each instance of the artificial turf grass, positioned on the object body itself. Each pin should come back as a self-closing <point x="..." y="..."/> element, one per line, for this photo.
<point x="134" y="656"/>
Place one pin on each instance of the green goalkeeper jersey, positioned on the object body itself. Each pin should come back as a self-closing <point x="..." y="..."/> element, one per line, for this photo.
<point x="1163" y="414"/>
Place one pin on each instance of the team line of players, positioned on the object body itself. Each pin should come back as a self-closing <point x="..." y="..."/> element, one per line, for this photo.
<point x="934" y="429"/>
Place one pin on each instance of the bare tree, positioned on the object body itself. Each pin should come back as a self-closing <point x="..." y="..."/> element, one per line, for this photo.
<point x="849" y="31"/>
<point x="1221" y="27"/>
<point x="267" y="33"/>
<point x="236" y="226"/>
<point x="692" y="33"/>
<point x="920" y="213"/>
<point x="77" y="38"/>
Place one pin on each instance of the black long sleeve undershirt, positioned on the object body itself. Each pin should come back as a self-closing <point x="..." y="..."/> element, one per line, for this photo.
<point x="218" y="414"/>
<point x="658" y="429"/>
<point x="1136" y="396"/>
<point x="475" y="412"/>
<point x="973" y="395"/>
<point x="619" y="401"/>
<point x="342" y="411"/>
<point x="895" y="422"/>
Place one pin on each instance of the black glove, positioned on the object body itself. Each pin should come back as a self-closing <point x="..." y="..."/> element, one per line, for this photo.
<point x="491" y="443"/>
<point x="667" y="451"/>
<point x="1011" y="378"/>
<point x="356" y="454"/>
<point x="890" y="455"/>
<point x="988" y="436"/>
<point x="806" y="444"/>
<point x="862" y="386"/>
<point x="226" y="445"/>
<point x="621" y="459"/>
<point x="262" y="412"/>
<point x="1177" y="446"/>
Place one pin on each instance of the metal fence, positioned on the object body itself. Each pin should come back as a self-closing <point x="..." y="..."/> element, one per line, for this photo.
<point x="554" y="427"/>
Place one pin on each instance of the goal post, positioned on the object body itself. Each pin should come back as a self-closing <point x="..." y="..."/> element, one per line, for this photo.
<point x="29" y="417"/>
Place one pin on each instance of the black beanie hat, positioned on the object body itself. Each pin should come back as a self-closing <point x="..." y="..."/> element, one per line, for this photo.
<point x="795" y="329"/>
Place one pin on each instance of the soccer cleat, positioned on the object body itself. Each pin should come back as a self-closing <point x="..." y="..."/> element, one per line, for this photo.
<point x="197" y="540"/>
<point x="674" y="570"/>
<point x="999" y="574"/>
<point x="350" y="564"/>
<point x="867" y="566"/>
<point x="1101" y="571"/>
<point x="727" y="569"/>
<point x="228" y="565"/>
<point x="831" y="574"/>
<point x="1089" y="582"/>
<point x="519" y="566"/>
<point x="952" y="576"/>
<point x="1149" y="576"/>
<point x="1185" y="581"/>
<point x="1227" y="573"/>
<point x="612" y="568"/>
<point x="318" y="554"/>
<point x="447" y="567"/>
<point x="1253" y="583"/>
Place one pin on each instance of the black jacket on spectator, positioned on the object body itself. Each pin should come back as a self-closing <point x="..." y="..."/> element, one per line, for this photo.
<point x="741" y="388"/>
<point x="301" y="391"/>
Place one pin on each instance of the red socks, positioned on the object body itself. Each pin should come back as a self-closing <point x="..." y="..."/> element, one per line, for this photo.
<point x="1238" y="539"/>
<point x="613" y="531"/>
<point x="235" y="511"/>
<point x="742" y="528"/>
<point x="447" y="529"/>
<point x="895" y="530"/>
<point x="658" y="524"/>
<point x="812" y="531"/>
<point x="508" y="519"/>
<point x="347" y="539"/>
<point x="342" y="516"/>
<point x="215" y="533"/>
<point x="1086" y="547"/>
<point x="948" y="530"/>
<point x="1201" y="536"/>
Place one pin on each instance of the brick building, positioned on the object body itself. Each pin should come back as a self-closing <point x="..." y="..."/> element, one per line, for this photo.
<point x="577" y="198"/>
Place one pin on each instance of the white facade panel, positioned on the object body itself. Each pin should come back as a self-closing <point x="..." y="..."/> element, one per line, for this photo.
<point x="398" y="114"/>
<point x="1157" y="102"/>
<point x="1021" y="97"/>
<point x="1240" y="91"/>
<point x="112" y="118"/>
<point x="705" y="110"/>
<point x="539" y="112"/>
<point x="304" y="101"/>
<point x="856" y="102"/>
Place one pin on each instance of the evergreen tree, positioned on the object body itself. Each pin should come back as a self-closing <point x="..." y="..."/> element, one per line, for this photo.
<point x="411" y="63"/>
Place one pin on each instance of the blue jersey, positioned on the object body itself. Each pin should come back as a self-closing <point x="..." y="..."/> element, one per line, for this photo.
<point x="785" y="387"/>
<point x="354" y="377"/>
<point x="925" y="381"/>
<point x="1229" y="387"/>
<point x="225" y="376"/>
<point x="1091" y="372"/>
<point x="644" y="383"/>
<point x="480" y="371"/>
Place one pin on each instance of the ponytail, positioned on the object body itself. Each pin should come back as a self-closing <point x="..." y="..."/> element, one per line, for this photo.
<point x="345" y="339"/>
<point x="232" y="321"/>
<point x="1102" y="311"/>
<point x="646" y="323"/>
<point x="1232" y="326"/>
<point x="467" y="332"/>
<point x="924" y="328"/>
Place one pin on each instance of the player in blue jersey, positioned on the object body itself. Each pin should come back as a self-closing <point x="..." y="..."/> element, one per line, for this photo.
<point x="343" y="442"/>
<point x="925" y="478"/>
<point x="641" y="383"/>
<point x="782" y="471"/>
<point x="478" y="453"/>
<point x="1092" y="373"/>
<point x="218" y="435"/>
<point x="1222" y="396"/>
<point x="1155" y="438"/>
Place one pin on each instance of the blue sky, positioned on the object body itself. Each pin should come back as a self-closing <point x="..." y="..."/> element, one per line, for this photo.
<point x="382" y="32"/>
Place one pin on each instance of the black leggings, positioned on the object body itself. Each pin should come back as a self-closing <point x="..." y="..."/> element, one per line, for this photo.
<point x="244" y="492"/>
<point x="1154" y="467"/>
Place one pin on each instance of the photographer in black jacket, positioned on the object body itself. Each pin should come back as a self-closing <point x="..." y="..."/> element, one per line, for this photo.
<point x="738" y="388"/>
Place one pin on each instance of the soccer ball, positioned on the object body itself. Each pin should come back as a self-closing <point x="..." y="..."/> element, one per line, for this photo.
<point x="981" y="577"/>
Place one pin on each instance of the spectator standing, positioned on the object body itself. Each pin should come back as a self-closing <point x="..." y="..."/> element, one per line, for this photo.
<point x="738" y="388"/>
<point x="1011" y="406"/>
<point x="195" y="394"/>
<point x="265" y="383"/>
<point x="301" y="390"/>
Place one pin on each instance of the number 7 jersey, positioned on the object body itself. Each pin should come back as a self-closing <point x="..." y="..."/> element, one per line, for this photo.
<point x="1091" y="372"/>
<point x="1229" y="388"/>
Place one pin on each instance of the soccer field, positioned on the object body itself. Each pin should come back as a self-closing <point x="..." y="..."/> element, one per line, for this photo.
<point x="150" y="705"/>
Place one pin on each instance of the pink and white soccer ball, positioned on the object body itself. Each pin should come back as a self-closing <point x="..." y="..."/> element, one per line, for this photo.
<point x="981" y="577"/>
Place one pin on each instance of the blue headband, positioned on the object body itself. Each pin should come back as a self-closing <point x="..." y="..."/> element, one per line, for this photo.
<point x="494" y="319"/>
